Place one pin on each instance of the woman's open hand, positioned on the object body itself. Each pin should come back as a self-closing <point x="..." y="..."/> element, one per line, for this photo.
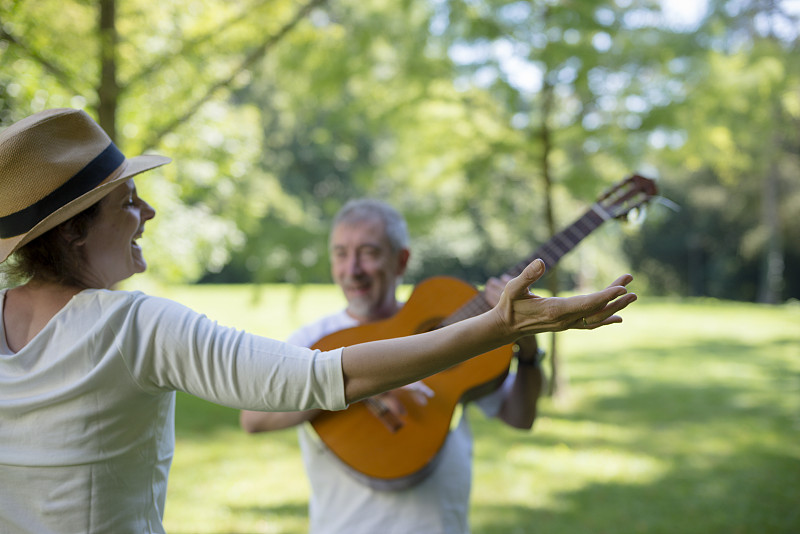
<point x="524" y="313"/>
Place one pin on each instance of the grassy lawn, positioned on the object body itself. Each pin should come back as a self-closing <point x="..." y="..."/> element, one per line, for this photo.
<point x="685" y="419"/>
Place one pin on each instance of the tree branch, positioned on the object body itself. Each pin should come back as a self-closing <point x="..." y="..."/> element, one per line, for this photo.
<point x="251" y="58"/>
<point x="189" y="45"/>
<point x="59" y="74"/>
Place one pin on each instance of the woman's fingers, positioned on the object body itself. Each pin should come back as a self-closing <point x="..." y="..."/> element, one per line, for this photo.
<point x="607" y="314"/>
<point x="623" y="280"/>
<point x="585" y="312"/>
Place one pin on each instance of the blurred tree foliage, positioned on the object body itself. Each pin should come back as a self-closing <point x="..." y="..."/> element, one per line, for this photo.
<point x="490" y="124"/>
<point x="732" y="152"/>
<point x="159" y="76"/>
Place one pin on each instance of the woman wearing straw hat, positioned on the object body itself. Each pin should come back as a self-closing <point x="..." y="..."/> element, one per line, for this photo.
<point x="88" y="374"/>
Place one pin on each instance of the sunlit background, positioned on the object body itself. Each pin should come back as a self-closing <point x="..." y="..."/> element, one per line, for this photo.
<point x="492" y="125"/>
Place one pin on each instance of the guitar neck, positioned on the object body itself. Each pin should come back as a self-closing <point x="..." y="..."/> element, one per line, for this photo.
<point x="551" y="252"/>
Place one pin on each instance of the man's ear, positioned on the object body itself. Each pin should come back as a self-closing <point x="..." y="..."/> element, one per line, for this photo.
<point x="402" y="261"/>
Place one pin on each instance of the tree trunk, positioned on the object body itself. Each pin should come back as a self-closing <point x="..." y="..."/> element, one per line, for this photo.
<point x="108" y="90"/>
<point x="771" y="282"/>
<point x="558" y="377"/>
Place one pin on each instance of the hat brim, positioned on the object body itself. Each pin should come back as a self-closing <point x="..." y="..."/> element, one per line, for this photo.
<point x="129" y="168"/>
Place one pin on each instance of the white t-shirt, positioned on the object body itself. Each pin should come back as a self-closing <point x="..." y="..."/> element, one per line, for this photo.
<point x="87" y="406"/>
<point x="340" y="504"/>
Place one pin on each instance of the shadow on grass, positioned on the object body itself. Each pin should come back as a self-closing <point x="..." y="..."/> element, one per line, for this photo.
<point x="297" y="510"/>
<point x="727" y="436"/>
<point x="653" y="400"/>
<point x="749" y="493"/>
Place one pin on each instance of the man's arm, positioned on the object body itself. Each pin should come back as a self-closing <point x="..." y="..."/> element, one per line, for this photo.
<point x="253" y="422"/>
<point x="519" y="405"/>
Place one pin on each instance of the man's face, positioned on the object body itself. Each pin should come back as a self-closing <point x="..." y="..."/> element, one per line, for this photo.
<point x="364" y="265"/>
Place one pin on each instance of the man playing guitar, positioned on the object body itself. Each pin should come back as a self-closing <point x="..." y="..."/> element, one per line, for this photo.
<point x="369" y="254"/>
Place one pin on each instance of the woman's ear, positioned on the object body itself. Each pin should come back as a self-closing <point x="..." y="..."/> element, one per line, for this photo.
<point x="69" y="232"/>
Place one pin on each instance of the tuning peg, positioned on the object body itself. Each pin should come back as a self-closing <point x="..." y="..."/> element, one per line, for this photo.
<point x="664" y="201"/>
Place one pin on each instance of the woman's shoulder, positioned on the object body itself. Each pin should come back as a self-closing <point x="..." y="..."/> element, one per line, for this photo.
<point x="107" y="297"/>
<point x="116" y="300"/>
<point x="130" y="310"/>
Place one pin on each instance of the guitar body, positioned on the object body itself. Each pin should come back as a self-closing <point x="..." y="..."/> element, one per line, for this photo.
<point x="389" y="459"/>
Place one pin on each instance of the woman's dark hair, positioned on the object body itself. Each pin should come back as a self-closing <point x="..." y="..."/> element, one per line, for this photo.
<point x="52" y="257"/>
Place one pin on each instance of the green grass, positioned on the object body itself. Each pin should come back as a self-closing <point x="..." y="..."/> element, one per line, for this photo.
<point x="685" y="419"/>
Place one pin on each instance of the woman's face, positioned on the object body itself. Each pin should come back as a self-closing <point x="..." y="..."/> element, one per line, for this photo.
<point x="110" y="247"/>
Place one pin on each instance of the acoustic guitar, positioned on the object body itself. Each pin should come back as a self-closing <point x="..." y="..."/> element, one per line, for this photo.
<point x="391" y="454"/>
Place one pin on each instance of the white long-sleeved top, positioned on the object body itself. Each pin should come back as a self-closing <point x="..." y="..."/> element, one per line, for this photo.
<point x="87" y="406"/>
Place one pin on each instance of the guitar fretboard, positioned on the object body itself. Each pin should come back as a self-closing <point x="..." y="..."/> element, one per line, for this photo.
<point x="551" y="252"/>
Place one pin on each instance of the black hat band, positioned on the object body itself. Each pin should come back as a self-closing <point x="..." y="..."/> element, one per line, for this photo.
<point x="82" y="182"/>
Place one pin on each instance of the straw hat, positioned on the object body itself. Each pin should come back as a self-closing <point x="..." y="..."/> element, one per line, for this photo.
<point x="53" y="165"/>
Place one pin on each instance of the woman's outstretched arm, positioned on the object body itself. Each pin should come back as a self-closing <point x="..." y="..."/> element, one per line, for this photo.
<point x="370" y="368"/>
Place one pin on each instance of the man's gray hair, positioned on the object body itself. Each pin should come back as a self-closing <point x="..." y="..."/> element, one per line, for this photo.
<point x="368" y="208"/>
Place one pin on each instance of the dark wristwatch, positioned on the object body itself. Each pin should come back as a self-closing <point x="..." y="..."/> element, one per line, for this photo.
<point x="531" y="361"/>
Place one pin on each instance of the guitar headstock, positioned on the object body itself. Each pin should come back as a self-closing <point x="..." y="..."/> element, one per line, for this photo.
<point x="627" y="195"/>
